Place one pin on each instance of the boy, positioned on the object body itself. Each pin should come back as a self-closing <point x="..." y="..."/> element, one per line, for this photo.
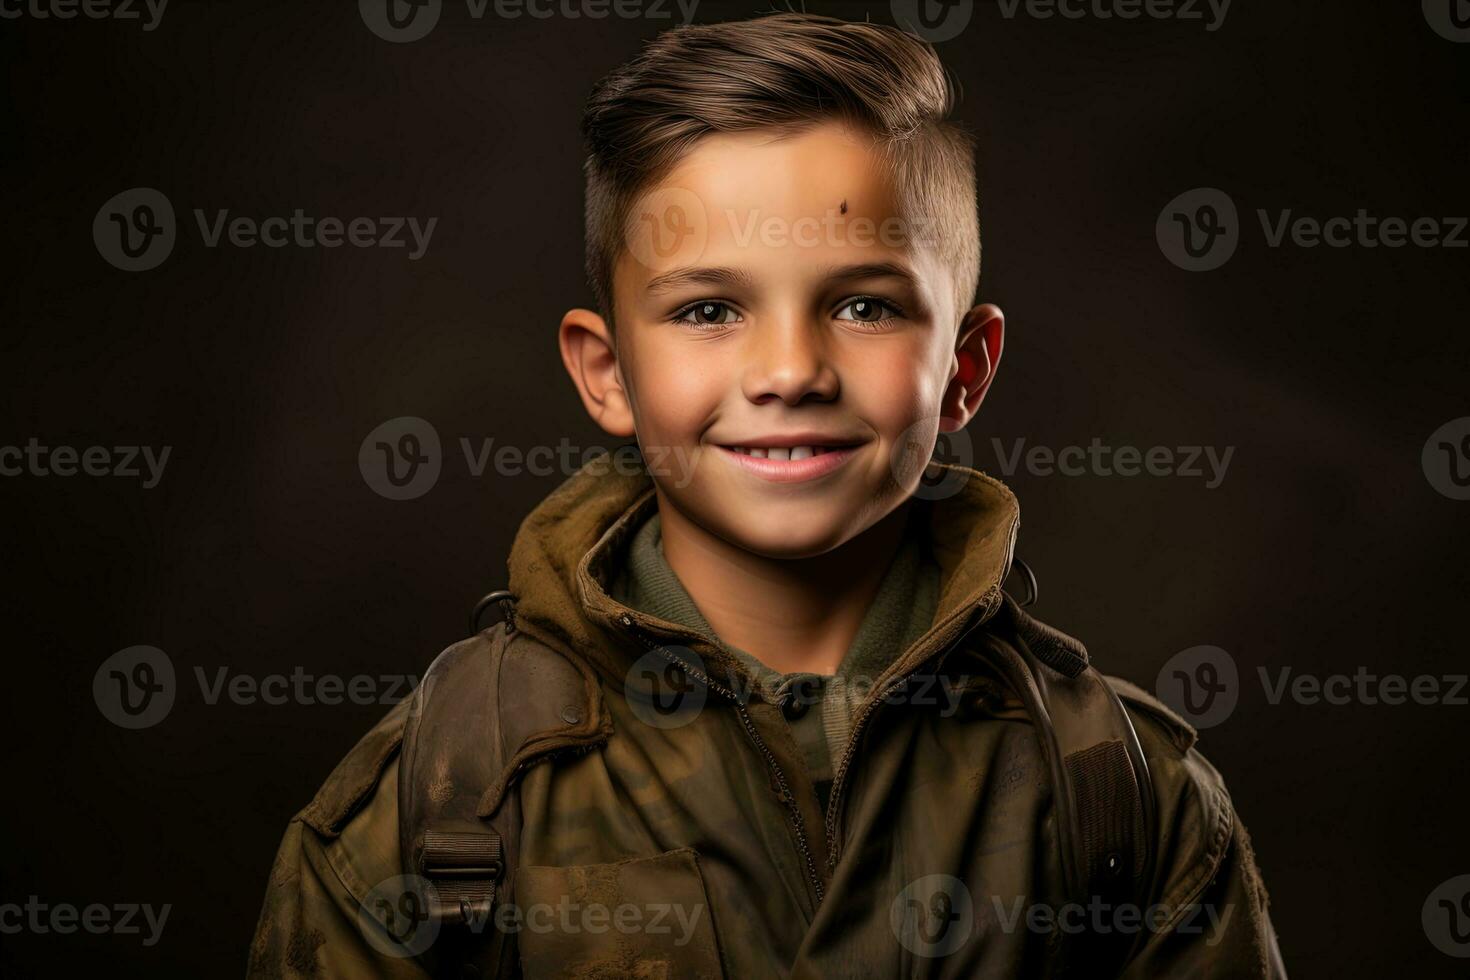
<point x="763" y="709"/>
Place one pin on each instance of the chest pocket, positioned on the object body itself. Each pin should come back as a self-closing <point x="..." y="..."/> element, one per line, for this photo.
<point x="646" y="918"/>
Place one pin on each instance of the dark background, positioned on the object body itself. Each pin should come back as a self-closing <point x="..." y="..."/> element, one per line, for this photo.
<point x="264" y="550"/>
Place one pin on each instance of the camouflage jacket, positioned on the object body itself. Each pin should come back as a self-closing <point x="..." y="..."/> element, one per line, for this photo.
<point x="700" y="849"/>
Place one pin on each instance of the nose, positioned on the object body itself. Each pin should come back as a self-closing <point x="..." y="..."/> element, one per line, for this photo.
<point x="789" y="360"/>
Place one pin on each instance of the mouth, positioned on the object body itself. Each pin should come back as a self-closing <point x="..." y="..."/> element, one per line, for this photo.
<point x="782" y="460"/>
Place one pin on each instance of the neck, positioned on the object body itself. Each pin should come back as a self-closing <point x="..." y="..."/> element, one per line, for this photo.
<point x="792" y="614"/>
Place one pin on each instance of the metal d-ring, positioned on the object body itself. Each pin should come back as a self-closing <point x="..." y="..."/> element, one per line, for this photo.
<point x="500" y="595"/>
<point x="1033" y="590"/>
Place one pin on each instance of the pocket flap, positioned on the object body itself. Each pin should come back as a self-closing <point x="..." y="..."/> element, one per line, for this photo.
<point x="645" y="918"/>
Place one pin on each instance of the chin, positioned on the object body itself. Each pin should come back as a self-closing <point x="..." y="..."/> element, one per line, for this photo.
<point x="796" y="530"/>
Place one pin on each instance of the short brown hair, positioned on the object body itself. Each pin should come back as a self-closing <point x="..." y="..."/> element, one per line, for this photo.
<point x="783" y="71"/>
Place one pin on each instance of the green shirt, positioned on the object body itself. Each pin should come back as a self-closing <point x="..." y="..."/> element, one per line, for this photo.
<point x="819" y="707"/>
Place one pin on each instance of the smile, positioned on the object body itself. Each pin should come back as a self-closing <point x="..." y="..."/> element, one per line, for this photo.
<point x="789" y="464"/>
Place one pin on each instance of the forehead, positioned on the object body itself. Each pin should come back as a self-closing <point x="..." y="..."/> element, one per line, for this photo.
<point x="790" y="174"/>
<point x="777" y="204"/>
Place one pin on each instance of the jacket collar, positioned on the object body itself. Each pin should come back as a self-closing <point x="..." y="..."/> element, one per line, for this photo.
<point x="565" y="555"/>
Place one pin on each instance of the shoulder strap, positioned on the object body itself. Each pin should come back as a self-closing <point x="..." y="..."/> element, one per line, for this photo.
<point x="1100" y="781"/>
<point x="488" y="707"/>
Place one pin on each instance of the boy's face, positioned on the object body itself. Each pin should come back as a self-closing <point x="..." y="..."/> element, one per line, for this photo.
<point x="786" y="346"/>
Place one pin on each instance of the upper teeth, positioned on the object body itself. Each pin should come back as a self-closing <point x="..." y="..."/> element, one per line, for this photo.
<point x="782" y="452"/>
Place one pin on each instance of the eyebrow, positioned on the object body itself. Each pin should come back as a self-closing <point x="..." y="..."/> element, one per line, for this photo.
<point x="727" y="276"/>
<point x="698" y="276"/>
<point x="873" y="270"/>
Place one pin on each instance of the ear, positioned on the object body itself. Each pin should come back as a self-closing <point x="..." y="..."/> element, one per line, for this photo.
<point x="977" y="356"/>
<point x="590" y="356"/>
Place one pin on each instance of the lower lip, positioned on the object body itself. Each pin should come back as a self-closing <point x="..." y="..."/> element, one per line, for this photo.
<point x="793" y="470"/>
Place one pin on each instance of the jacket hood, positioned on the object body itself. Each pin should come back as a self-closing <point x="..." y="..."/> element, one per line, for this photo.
<point x="569" y="548"/>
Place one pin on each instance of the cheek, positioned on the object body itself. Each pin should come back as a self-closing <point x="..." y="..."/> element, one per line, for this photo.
<point x="672" y="395"/>
<point x="895" y="388"/>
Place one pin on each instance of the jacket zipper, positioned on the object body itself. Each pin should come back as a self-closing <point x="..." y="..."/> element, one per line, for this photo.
<point x="788" y="798"/>
<point x="834" y="804"/>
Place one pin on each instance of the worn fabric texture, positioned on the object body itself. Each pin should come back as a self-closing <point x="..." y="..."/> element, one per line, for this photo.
<point x="935" y="855"/>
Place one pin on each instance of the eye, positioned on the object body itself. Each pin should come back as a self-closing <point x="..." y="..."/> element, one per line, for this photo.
<point x="706" y="314"/>
<point x="869" y="311"/>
